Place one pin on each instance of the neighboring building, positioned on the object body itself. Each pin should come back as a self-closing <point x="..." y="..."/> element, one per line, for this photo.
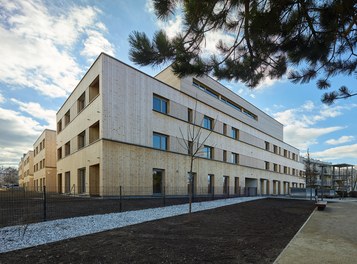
<point x="344" y="177"/>
<point x="21" y="173"/>
<point x="45" y="161"/>
<point x="121" y="127"/>
<point x="322" y="172"/>
<point x="28" y="171"/>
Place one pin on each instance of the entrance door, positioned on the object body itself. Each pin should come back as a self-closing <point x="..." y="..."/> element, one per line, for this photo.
<point x="157" y="181"/>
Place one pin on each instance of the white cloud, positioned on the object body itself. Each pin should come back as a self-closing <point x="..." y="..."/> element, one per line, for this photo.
<point x="95" y="44"/>
<point x="18" y="133"/>
<point x="2" y="98"/>
<point x="37" y="45"/>
<point x="300" y="124"/>
<point x="341" y="152"/>
<point x="341" y="140"/>
<point x="38" y="112"/>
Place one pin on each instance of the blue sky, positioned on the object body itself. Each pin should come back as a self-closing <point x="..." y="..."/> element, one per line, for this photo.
<point x="47" y="46"/>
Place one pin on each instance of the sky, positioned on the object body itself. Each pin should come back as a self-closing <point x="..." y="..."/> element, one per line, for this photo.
<point x="47" y="46"/>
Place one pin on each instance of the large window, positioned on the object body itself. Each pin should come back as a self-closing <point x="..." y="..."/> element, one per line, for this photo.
<point x="81" y="139"/>
<point x="160" y="141"/>
<point x="207" y="152"/>
<point x="208" y="122"/>
<point x="81" y="102"/>
<point x="235" y="133"/>
<point x="235" y="158"/>
<point x="160" y="104"/>
<point x="67" y="148"/>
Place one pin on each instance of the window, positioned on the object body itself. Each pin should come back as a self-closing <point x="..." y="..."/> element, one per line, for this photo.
<point x="43" y="143"/>
<point x="267" y="146"/>
<point x="59" y="153"/>
<point x="81" y="102"/>
<point x="204" y="88"/>
<point x="285" y="169"/>
<point x="160" y="104"/>
<point x="224" y="129"/>
<point x="235" y="158"/>
<point x="67" y="148"/>
<point x="294" y="156"/>
<point x="275" y="167"/>
<point x="207" y="152"/>
<point x="208" y="122"/>
<point x="294" y="173"/>
<point x="189" y="115"/>
<point x="59" y="126"/>
<point x="67" y="118"/>
<point x="43" y="162"/>
<point x="94" y="89"/>
<point x="190" y="148"/>
<point x="235" y="133"/>
<point x="94" y="132"/>
<point x="160" y="141"/>
<point x="285" y="153"/>
<point x="267" y="165"/>
<point x="275" y="149"/>
<point x="81" y="139"/>
<point x="225" y="155"/>
<point x="236" y="185"/>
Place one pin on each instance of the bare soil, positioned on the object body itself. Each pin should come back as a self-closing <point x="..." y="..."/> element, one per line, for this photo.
<point x="251" y="232"/>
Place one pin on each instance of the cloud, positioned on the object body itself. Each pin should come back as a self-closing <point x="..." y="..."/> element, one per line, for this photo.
<point x="38" y="112"/>
<point x="37" y="45"/>
<point x="95" y="44"/>
<point x="341" y="140"/>
<point x="300" y="124"/>
<point x="18" y="133"/>
<point x="2" y="98"/>
<point x="341" y="152"/>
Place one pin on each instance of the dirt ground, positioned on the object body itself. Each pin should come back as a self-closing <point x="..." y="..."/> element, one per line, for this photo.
<point x="251" y="232"/>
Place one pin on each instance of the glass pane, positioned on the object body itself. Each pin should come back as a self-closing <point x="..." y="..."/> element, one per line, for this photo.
<point x="163" y="106"/>
<point x="157" y="104"/>
<point x="163" y="142"/>
<point x="156" y="141"/>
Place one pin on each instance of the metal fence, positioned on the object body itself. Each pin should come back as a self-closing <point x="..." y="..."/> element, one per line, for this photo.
<point x="19" y="206"/>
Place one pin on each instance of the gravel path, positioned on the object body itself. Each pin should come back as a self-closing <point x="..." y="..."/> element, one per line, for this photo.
<point x="24" y="236"/>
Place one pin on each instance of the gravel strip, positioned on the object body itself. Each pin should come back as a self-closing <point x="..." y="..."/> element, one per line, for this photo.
<point x="24" y="236"/>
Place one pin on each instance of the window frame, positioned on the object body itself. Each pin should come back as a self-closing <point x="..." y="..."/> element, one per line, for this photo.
<point x="161" y="137"/>
<point x="163" y="102"/>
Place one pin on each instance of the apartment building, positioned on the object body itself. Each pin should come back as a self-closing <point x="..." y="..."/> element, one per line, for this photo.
<point x="20" y="172"/>
<point x="122" y="127"/>
<point x="44" y="164"/>
<point x="27" y="169"/>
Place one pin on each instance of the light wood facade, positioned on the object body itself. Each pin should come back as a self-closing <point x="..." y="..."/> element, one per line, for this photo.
<point x="45" y="161"/>
<point x="109" y="128"/>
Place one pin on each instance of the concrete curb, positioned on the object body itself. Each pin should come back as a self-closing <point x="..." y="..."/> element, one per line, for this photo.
<point x="288" y="245"/>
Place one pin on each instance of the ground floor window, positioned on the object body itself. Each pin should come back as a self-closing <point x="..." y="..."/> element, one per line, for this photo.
<point x="82" y="180"/>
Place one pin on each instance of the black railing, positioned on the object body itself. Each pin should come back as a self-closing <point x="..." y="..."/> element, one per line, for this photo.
<point x="20" y="206"/>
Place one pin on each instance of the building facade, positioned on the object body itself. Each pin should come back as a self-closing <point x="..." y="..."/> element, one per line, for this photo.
<point x="27" y="168"/>
<point x="45" y="161"/>
<point x="20" y="172"/>
<point x="121" y="129"/>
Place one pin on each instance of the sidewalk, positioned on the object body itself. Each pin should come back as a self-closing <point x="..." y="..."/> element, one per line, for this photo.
<point x="328" y="236"/>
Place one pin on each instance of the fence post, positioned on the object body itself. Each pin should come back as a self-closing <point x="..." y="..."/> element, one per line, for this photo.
<point x="44" y="204"/>
<point x="120" y="202"/>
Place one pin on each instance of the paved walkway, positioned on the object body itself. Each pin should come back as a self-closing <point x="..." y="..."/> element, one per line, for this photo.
<point x="328" y="236"/>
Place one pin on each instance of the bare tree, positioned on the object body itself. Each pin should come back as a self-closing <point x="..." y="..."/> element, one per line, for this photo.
<point x="311" y="173"/>
<point x="194" y="142"/>
<point x="9" y="175"/>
